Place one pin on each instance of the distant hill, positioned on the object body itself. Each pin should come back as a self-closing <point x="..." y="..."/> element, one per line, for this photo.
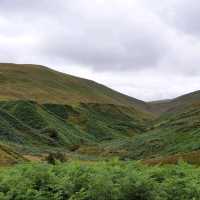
<point x="176" y="130"/>
<point x="173" y="105"/>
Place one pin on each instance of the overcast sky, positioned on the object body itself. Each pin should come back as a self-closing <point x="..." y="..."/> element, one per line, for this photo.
<point x="148" y="49"/>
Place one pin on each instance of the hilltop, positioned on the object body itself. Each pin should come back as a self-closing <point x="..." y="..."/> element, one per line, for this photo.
<point x="44" y="85"/>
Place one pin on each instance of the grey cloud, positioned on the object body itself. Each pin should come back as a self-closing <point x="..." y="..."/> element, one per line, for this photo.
<point x="183" y="15"/>
<point x="186" y="16"/>
<point x="106" y="50"/>
<point x="103" y="36"/>
<point x="112" y="37"/>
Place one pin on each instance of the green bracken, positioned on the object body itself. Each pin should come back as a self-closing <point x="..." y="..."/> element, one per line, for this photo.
<point x="111" y="180"/>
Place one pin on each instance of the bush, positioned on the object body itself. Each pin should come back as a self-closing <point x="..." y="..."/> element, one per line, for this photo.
<point x="51" y="132"/>
<point x="74" y="147"/>
<point x="113" y="180"/>
<point x="52" y="158"/>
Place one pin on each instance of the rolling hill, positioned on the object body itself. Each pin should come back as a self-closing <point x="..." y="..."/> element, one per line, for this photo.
<point x="176" y="130"/>
<point x="43" y="85"/>
<point x="174" y="105"/>
<point x="43" y="110"/>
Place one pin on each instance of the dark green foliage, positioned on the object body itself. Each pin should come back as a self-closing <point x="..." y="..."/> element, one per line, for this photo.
<point x="74" y="147"/>
<point x="111" y="180"/>
<point x="62" y="111"/>
<point x="30" y="124"/>
<point x="107" y="121"/>
<point x="27" y="112"/>
<point x="53" y="157"/>
<point x="52" y="125"/>
<point x="51" y="132"/>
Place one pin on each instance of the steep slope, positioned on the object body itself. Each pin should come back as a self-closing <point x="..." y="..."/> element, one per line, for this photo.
<point x="43" y="85"/>
<point x="37" y="127"/>
<point x="27" y="124"/>
<point x="42" y="109"/>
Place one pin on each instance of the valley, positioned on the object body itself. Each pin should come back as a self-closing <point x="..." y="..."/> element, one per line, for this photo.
<point x="44" y="111"/>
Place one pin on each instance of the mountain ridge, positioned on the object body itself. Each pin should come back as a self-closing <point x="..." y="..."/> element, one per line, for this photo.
<point x="58" y="87"/>
<point x="50" y="75"/>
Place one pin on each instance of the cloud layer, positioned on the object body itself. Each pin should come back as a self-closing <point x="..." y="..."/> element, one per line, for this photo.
<point x="147" y="49"/>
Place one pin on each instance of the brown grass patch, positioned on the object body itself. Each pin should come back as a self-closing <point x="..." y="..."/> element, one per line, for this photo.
<point x="191" y="158"/>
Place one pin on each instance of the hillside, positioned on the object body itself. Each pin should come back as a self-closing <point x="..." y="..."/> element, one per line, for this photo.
<point x="175" y="131"/>
<point x="42" y="110"/>
<point x="174" y="105"/>
<point x="43" y="85"/>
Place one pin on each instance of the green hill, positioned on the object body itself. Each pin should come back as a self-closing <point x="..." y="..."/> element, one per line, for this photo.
<point x="43" y="110"/>
<point x="174" y="105"/>
<point x="43" y="85"/>
<point x="177" y="130"/>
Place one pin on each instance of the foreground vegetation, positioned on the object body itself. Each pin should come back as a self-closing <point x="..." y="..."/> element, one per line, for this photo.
<point x="113" y="180"/>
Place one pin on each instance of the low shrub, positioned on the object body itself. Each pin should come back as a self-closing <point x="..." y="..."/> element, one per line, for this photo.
<point x="50" y="132"/>
<point x="112" y="180"/>
<point x="53" y="158"/>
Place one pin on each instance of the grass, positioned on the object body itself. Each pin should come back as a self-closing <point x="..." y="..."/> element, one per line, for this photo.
<point x="43" y="85"/>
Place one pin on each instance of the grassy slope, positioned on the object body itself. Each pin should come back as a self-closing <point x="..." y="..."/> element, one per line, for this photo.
<point x="39" y="127"/>
<point x="71" y="111"/>
<point x="44" y="109"/>
<point x="174" y="132"/>
<point x="174" y="105"/>
<point x="44" y="85"/>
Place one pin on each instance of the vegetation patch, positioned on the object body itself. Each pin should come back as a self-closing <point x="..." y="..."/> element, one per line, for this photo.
<point x="113" y="180"/>
<point x="62" y="111"/>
